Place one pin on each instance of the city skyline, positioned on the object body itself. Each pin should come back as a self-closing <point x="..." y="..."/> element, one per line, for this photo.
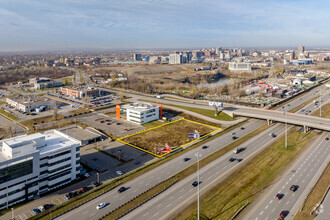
<point x="127" y="24"/>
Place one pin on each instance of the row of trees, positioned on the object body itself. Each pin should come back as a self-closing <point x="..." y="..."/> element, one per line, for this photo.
<point x="23" y="74"/>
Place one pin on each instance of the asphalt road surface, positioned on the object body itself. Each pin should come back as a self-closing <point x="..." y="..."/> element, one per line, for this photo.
<point x="151" y="178"/>
<point x="183" y="193"/>
<point x="304" y="173"/>
<point x="154" y="176"/>
<point x="324" y="210"/>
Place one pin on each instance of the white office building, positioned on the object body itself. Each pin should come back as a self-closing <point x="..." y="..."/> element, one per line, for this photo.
<point x="175" y="58"/>
<point x="139" y="113"/>
<point x="33" y="164"/>
<point x="235" y="66"/>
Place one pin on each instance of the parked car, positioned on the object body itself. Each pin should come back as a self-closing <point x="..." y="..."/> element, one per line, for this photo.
<point x="186" y="159"/>
<point x="122" y="189"/>
<point x="41" y="208"/>
<point x="36" y="211"/>
<point x="86" y="175"/>
<point x="67" y="196"/>
<point x="119" y="172"/>
<point x="294" y="188"/>
<point x="232" y="159"/>
<point x="95" y="184"/>
<point x="48" y="206"/>
<point x="100" y="206"/>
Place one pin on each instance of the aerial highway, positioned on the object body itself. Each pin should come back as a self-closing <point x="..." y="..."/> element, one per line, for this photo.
<point x="145" y="181"/>
<point x="183" y="193"/>
<point x="303" y="174"/>
<point x="151" y="178"/>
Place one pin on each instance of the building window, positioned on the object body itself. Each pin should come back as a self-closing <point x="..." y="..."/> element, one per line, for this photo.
<point x="77" y="155"/>
<point x="60" y="161"/>
<point x="43" y="172"/>
<point x="60" y="154"/>
<point x="60" y="168"/>
<point x="16" y="171"/>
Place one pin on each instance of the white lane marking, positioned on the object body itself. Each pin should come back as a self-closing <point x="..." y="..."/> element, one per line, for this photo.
<point x="273" y="210"/>
<point x="92" y="215"/>
<point x="287" y="183"/>
<point x="155" y="214"/>
<point x="146" y="214"/>
<point x="288" y="202"/>
<point x="158" y="205"/>
<point x="180" y="197"/>
<point x="169" y="205"/>
<point x="266" y="207"/>
<point x="261" y="212"/>
<point x="170" y="198"/>
<point x="115" y="196"/>
<point x="85" y="213"/>
<point x="270" y="201"/>
<point x="303" y="181"/>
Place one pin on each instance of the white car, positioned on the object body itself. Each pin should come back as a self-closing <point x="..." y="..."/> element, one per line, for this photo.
<point x="41" y="208"/>
<point x="119" y="172"/>
<point x="86" y="175"/>
<point x="100" y="206"/>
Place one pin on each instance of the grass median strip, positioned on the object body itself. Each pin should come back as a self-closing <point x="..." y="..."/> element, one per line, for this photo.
<point x="140" y="199"/>
<point x="244" y="185"/>
<point x="13" y="117"/>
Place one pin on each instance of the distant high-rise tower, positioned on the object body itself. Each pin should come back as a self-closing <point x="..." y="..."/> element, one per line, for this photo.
<point x="301" y="48"/>
<point x="137" y="57"/>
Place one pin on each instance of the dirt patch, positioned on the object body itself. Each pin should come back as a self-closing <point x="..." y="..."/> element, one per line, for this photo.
<point x="174" y="134"/>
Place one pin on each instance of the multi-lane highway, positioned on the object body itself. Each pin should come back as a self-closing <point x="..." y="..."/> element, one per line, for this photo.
<point x="183" y="193"/>
<point x="151" y="178"/>
<point x="155" y="176"/>
<point x="304" y="173"/>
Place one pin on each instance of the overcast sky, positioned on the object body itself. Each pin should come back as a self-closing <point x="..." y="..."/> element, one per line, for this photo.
<point x="106" y="24"/>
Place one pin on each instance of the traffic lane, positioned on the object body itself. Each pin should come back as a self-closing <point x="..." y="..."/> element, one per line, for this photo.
<point x="182" y="193"/>
<point x="164" y="171"/>
<point x="302" y="175"/>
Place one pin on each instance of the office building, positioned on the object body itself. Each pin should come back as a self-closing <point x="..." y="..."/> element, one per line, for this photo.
<point x="175" y="58"/>
<point x="31" y="165"/>
<point x="139" y="113"/>
<point x="301" y="48"/>
<point x="137" y="57"/>
<point x="80" y="91"/>
<point x="28" y="103"/>
<point x="234" y="66"/>
<point x="42" y="82"/>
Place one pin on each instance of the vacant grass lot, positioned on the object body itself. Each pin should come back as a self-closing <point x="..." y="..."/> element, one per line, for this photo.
<point x="30" y="122"/>
<point x="244" y="185"/>
<point x="174" y="134"/>
<point x="325" y="111"/>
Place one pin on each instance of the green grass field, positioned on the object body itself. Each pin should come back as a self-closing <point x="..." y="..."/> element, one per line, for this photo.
<point x="8" y="115"/>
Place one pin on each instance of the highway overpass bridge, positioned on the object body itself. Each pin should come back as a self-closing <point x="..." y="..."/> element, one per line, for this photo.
<point x="280" y="116"/>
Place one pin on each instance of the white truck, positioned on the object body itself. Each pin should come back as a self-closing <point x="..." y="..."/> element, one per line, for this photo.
<point x="237" y="150"/>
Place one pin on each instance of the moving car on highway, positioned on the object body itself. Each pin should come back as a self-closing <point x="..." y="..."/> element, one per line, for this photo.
<point x="100" y="206"/>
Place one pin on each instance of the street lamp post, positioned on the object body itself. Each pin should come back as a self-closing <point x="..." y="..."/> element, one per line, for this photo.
<point x="286" y="128"/>
<point x="198" y="155"/>
<point x="12" y="213"/>
<point x="320" y="104"/>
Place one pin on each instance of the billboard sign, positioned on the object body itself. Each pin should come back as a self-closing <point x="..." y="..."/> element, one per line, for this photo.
<point x="218" y="104"/>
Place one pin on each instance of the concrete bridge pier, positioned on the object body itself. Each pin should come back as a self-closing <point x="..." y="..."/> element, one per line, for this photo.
<point x="269" y="122"/>
<point x="306" y="129"/>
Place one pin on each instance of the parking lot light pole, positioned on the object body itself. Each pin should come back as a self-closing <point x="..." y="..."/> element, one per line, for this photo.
<point x="12" y="213"/>
<point x="98" y="177"/>
<point x="198" y="155"/>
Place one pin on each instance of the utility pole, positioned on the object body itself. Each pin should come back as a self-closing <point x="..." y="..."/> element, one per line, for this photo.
<point x="98" y="177"/>
<point x="198" y="155"/>
<point x="286" y="128"/>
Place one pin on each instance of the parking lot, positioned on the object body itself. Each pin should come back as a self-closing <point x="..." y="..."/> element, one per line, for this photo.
<point x="115" y="157"/>
<point x="118" y="127"/>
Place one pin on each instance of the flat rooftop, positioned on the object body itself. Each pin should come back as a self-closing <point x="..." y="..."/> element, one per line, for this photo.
<point x="30" y="99"/>
<point x="54" y="140"/>
<point x="79" y="133"/>
<point x="138" y="106"/>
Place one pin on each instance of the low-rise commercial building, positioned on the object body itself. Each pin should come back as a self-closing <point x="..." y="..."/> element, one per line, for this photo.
<point x="33" y="164"/>
<point x="42" y="82"/>
<point x="28" y="103"/>
<point x="139" y="113"/>
<point x="80" y="92"/>
<point x="235" y="66"/>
